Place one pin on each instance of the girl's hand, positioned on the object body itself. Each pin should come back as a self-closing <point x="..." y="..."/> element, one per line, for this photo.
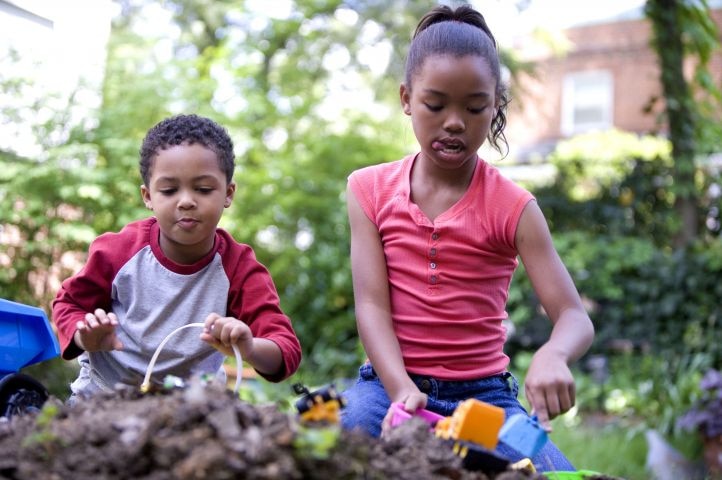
<point x="412" y="400"/>
<point x="224" y="332"/>
<point x="549" y="386"/>
<point x="96" y="333"/>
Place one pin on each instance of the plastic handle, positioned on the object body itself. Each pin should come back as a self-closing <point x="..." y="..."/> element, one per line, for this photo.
<point x="400" y="415"/>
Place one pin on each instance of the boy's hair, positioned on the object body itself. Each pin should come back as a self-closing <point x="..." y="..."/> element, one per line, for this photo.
<point x="187" y="129"/>
<point x="460" y="32"/>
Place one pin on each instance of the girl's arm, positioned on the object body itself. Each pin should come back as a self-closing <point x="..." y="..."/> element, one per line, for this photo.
<point x="549" y="384"/>
<point x="373" y="311"/>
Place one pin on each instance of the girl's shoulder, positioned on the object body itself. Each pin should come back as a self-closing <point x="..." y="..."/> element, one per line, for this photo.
<point x="386" y="170"/>
<point x="494" y="182"/>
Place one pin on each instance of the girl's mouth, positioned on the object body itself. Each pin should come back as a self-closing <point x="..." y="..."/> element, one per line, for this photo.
<point x="449" y="147"/>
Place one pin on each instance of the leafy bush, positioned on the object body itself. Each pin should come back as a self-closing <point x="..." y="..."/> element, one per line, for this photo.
<point x="706" y="413"/>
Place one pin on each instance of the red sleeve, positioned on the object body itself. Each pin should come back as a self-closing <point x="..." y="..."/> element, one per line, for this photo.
<point x="91" y="287"/>
<point x="253" y="299"/>
<point x="87" y="290"/>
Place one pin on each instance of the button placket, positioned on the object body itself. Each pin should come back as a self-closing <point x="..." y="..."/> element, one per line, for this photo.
<point x="433" y="262"/>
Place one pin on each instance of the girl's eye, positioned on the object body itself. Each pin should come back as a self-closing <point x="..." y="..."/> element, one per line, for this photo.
<point x="476" y="111"/>
<point x="433" y="108"/>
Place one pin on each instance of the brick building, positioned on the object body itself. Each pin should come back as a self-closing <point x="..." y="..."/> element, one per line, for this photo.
<point x="606" y="79"/>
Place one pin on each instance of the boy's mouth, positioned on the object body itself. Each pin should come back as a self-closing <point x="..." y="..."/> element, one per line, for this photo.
<point x="187" y="222"/>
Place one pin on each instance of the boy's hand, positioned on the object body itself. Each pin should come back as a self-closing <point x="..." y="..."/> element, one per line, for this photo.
<point x="549" y="386"/>
<point x="96" y="332"/>
<point x="224" y="332"/>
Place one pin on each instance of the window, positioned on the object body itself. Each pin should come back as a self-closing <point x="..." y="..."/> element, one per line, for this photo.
<point x="587" y="101"/>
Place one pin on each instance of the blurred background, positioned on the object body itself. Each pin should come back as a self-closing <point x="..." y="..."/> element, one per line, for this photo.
<point x="614" y="126"/>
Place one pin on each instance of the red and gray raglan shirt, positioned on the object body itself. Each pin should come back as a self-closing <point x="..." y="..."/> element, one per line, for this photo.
<point x="128" y="274"/>
<point x="448" y="279"/>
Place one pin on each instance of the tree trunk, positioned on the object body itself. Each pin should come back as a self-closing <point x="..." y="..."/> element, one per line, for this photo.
<point x="667" y="40"/>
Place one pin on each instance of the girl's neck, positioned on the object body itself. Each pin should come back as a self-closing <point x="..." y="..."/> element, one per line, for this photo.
<point x="433" y="176"/>
<point x="435" y="190"/>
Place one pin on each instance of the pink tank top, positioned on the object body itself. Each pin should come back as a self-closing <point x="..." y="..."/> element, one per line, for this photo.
<point x="448" y="280"/>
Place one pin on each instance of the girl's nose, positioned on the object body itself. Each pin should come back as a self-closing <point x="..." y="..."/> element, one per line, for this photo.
<point x="454" y="123"/>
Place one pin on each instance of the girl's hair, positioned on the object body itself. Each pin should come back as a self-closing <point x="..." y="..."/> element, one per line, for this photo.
<point x="459" y="32"/>
<point x="187" y="129"/>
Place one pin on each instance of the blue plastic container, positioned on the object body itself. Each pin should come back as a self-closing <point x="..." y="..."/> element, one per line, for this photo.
<point x="26" y="337"/>
<point x="523" y="434"/>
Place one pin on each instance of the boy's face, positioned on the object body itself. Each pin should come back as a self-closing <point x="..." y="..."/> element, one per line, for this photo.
<point x="187" y="191"/>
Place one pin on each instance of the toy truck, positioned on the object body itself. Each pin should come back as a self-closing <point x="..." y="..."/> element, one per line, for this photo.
<point x="26" y="338"/>
<point x="322" y="405"/>
<point x="473" y="432"/>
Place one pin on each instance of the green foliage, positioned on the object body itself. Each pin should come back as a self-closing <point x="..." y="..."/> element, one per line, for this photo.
<point x="636" y="291"/>
<point x="43" y="436"/>
<point x="614" y="158"/>
<point x="684" y="31"/>
<point x="316" y="442"/>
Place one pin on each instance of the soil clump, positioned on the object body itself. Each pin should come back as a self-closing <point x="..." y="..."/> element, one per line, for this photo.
<point x="203" y="431"/>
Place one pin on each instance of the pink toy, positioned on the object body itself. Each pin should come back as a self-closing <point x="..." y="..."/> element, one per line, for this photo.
<point x="400" y="415"/>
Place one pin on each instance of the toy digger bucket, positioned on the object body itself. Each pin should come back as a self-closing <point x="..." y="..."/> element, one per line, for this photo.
<point x="26" y="337"/>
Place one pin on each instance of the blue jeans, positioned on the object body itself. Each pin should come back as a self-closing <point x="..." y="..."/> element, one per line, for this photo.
<point x="367" y="404"/>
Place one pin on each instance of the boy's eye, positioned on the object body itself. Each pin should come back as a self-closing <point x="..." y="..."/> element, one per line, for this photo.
<point x="205" y="190"/>
<point x="167" y="191"/>
<point x="433" y="108"/>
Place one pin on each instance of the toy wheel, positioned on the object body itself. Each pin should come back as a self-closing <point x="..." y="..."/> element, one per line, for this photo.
<point x="21" y="394"/>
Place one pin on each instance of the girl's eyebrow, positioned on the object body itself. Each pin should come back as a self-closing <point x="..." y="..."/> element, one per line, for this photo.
<point x="442" y="94"/>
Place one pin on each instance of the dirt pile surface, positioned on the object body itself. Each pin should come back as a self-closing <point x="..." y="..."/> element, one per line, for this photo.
<point x="204" y="432"/>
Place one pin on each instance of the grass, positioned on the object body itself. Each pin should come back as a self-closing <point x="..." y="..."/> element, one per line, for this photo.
<point x="605" y="447"/>
<point x="613" y="445"/>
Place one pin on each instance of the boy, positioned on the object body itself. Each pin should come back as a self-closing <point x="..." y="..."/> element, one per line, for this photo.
<point x="172" y="269"/>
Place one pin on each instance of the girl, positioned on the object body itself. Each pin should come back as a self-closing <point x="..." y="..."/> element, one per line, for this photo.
<point x="434" y="243"/>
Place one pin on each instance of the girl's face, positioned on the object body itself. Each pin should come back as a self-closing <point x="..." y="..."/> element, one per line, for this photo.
<point x="451" y="103"/>
<point x="187" y="192"/>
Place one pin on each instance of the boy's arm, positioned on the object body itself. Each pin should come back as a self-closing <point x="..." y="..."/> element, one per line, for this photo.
<point x="84" y="292"/>
<point x="253" y="299"/>
<point x="373" y="310"/>
<point x="549" y="384"/>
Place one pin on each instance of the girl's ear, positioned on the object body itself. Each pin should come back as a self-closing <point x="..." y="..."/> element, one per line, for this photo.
<point x="145" y="193"/>
<point x="405" y="96"/>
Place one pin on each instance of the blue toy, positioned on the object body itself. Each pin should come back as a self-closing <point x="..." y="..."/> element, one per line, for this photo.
<point x="26" y="338"/>
<point x="523" y="434"/>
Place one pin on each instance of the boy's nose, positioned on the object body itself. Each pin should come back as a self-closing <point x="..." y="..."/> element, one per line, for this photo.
<point x="186" y="200"/>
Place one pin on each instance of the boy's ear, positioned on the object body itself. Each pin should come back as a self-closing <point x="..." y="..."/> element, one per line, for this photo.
<point x="230" y="192"/>
<point x="145" y="193"/>
<point x="405" y="97"/>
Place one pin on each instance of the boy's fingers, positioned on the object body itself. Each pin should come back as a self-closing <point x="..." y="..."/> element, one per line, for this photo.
<point x="210" y="321"/>
<point x="91" y="320"/>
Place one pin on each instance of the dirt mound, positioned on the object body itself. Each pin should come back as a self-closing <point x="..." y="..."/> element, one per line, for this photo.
<point x="204" y="432"/>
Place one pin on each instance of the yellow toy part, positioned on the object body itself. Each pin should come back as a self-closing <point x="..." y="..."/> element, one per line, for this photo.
<point x="473" y="421"/>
